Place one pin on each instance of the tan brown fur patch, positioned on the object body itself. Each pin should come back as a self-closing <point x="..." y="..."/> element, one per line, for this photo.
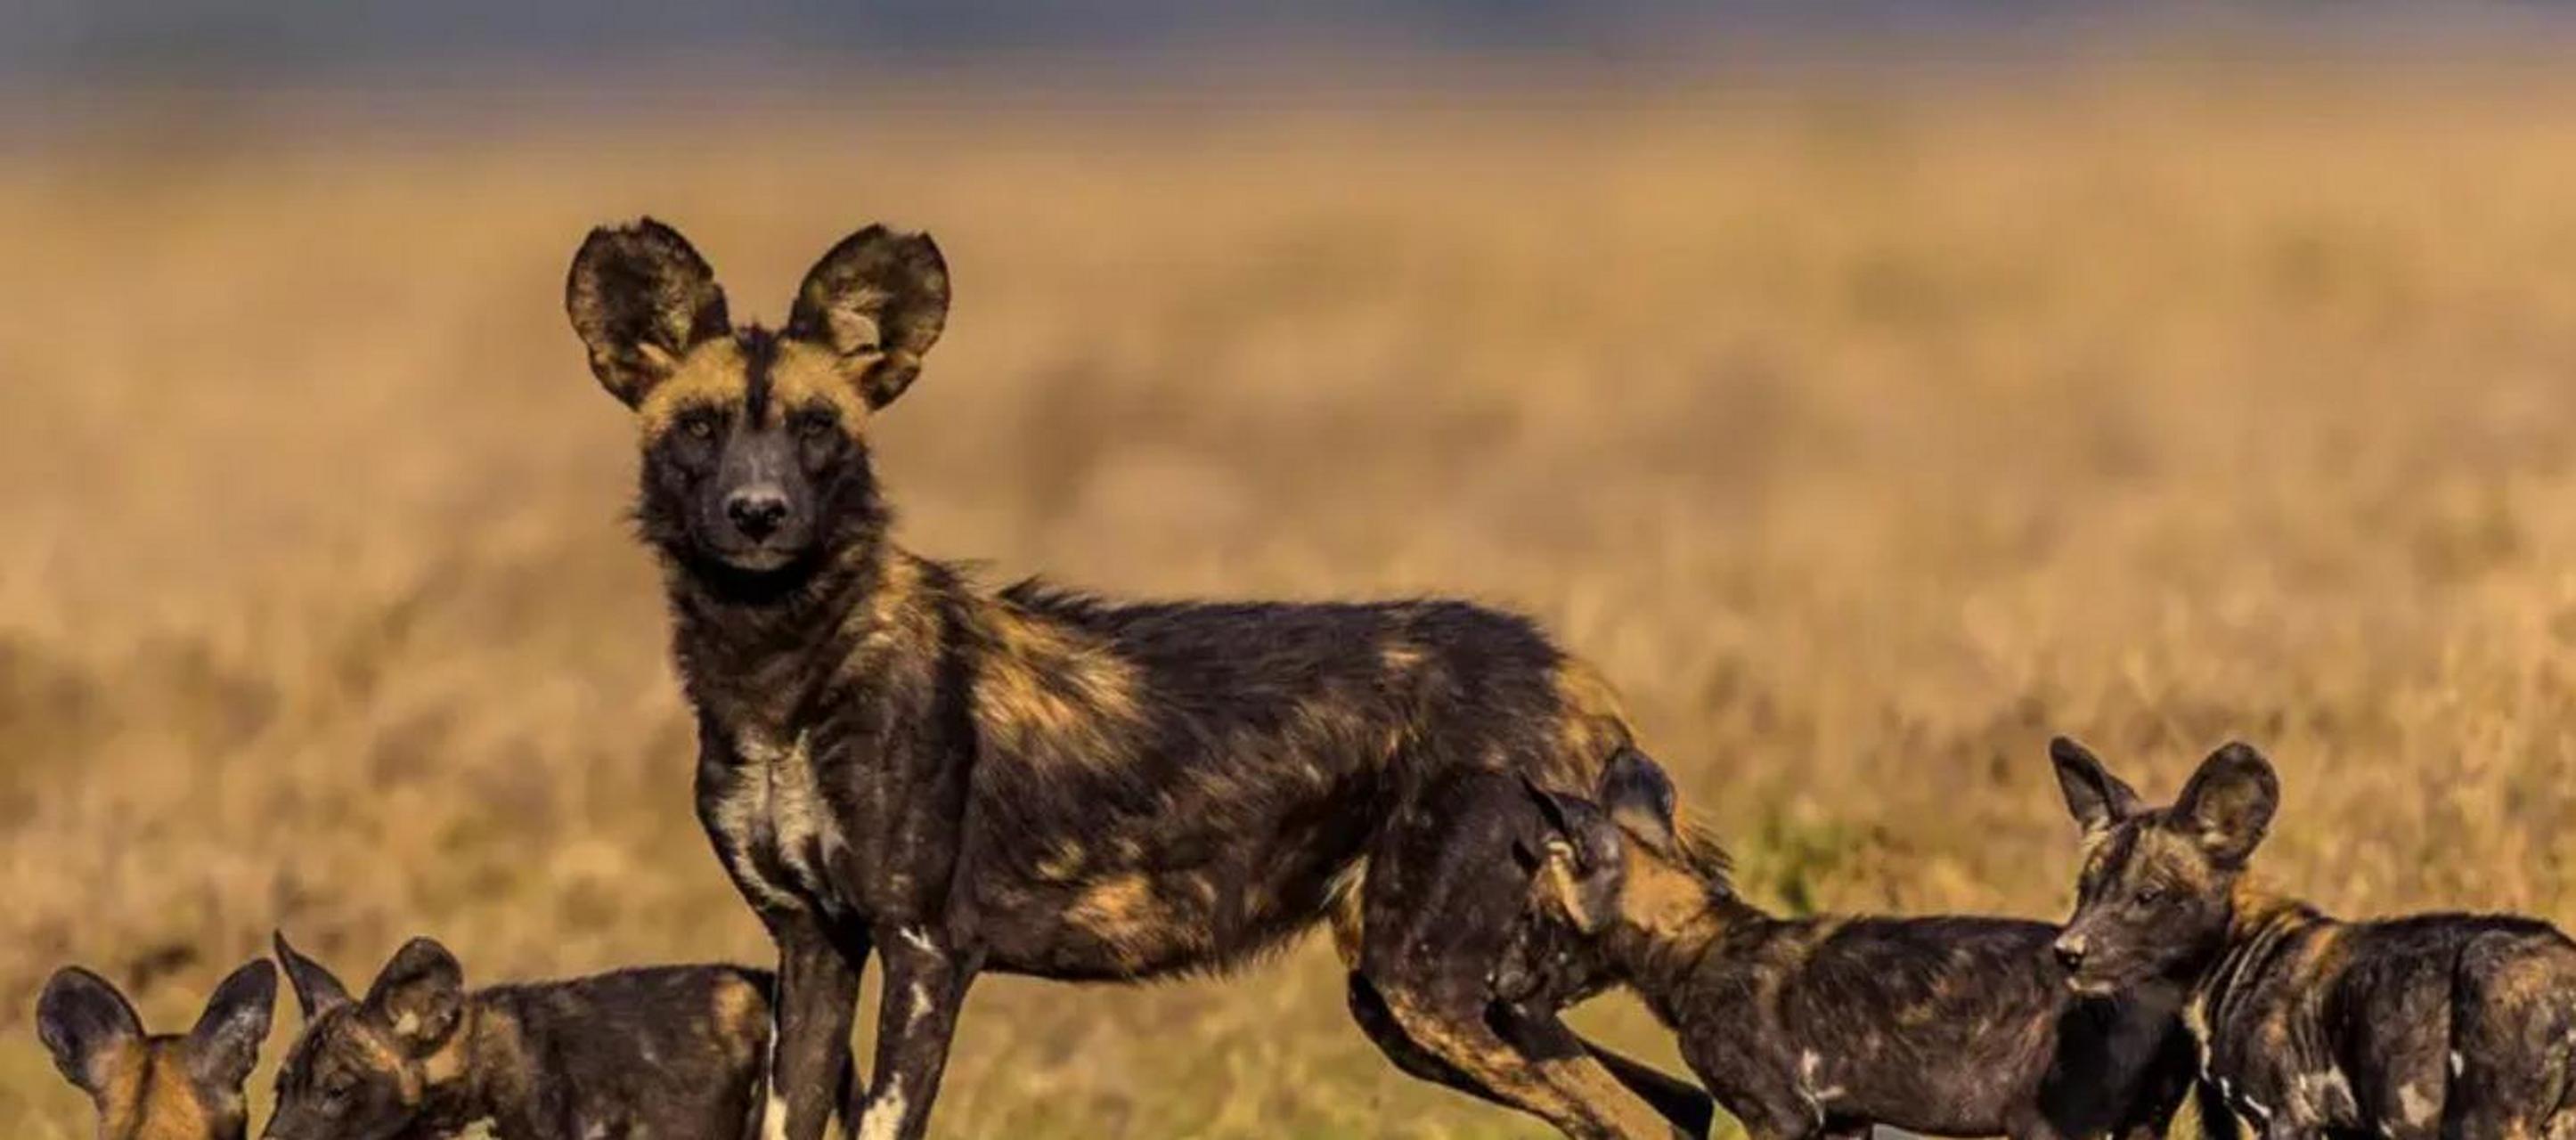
<point x="741" y="1011"/>
<point x="148" y="1096"/>
<point x="714" y="374"/>
<point x="1137" y="924"/>
<point x="808" y="375"/>
<point x="1050" y="692"/>
<point x="1592" y="723"/>
<point x="1662" y="899"/>
<point x="1346" y="916"/>
<point x="2255" y="905"/>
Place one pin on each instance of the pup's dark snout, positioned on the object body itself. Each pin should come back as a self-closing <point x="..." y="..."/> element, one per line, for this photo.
<point x="2070" y="951"/>
<point x="757" y="511"/>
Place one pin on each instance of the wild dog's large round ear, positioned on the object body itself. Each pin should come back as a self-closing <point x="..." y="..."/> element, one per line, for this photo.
<point x="2227" y="807"/>
<point x="420" y="995"/>
<point x="83" y="1020"/>
<point x="1639" y="797"/>
<point x="877" y="302"/>
<point x="316" y="989"/>
<point x="641" y="298"/>
<point x="224" y="1046"/>
<point x="2096" y="798"/>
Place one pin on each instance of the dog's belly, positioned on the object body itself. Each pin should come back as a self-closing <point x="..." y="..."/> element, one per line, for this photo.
<point x="1148" y="893"/>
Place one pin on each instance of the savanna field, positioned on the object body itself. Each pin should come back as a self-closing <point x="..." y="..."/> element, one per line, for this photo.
<point x="1864" y="434"/>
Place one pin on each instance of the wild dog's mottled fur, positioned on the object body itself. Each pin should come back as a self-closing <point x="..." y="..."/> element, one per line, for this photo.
<point x="1825" y="1026"/>
<point x="898" y="760"/>
<point x="668" y="1051"/>
<point x="184" y="1086"/>
<point x="2445" y="1024"/>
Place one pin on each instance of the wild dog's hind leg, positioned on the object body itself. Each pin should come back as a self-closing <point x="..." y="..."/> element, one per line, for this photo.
<point x="1442" y="897"/>
<point x="1539" y="1033"/>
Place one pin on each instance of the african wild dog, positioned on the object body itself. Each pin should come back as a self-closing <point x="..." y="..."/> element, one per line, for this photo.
<point x="2447" y="1024"/>
<point x="180" y="1086"/>
<point x="665" y="1051"/>
<point x="1824" y="1026"/>
<point x="896" y="759"/>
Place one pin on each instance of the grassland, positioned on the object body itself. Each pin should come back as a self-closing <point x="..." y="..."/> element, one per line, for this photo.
<point x="1864" y="434"/>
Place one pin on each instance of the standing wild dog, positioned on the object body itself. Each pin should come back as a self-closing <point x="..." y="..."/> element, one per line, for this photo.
<point x="1825" y="1026"/>
<point x="895" y="759"/>
<point x="185" y="1086"/>
<point x="666" y="1052"/>
<point x="2445" y="1024"/>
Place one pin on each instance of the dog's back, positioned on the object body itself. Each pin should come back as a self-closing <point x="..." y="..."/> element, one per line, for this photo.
<point x="677" y="1050"/>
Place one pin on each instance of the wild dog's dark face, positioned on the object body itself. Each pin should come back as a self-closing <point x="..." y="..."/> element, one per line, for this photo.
<point x="164" y="1087"/>
<point x="755" y="443"/>
<point x="362" y="1069"/>
<point x="2154" y="897"/>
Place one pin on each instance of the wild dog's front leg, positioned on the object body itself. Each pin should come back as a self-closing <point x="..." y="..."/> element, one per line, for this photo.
<point x="924" y="988"/>
<point x="809" y="1044"/>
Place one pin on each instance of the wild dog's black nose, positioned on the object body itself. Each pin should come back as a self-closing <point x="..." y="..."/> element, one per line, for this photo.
<point x="2070" y="952"/>
<point x="756" y="512"/>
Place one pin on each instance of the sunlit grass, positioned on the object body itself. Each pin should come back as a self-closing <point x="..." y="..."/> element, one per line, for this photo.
<point x="1865" y="439"/>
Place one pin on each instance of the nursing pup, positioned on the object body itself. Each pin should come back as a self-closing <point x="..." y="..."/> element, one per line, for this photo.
<point x="2454" y="1025"/>
<point x="147" y="1086"/>
<point x="899" y="762"/>
<point x="671" y="1051"/>
<point x="1825" y="1026"/>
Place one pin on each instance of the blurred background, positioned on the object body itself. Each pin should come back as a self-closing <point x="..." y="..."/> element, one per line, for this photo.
<point x="1871" y="389"/>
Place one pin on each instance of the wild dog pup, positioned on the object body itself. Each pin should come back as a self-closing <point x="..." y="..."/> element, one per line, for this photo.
<point x="2442" y="1024"/>
<point x="185" y="1086"/>
<point x="2407" y="1028"/>
<point x="668" y="1051"/>
<point x="1825" y="1026"/>
<point x="899" y="763"/>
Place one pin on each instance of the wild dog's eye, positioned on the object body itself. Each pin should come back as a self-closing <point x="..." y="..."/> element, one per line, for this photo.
<point x="815" y="424"/>
<point x="2149" y="895"/>
<point x="699" y="425"/>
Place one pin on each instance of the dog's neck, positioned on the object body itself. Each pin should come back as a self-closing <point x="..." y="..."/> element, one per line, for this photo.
<point x="468" y="1088"/>
<point x="758" y="646"/>
<point x="1667" y="925"/>
<point x="2260" y="922"/>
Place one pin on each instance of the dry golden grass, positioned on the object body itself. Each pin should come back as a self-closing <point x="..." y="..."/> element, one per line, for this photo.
<point x="1863" y="438"/>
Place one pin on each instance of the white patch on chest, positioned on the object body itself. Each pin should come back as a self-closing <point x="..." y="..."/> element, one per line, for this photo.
<point x="1811" y="1085"/>
<point x="484" y="1128"/>
<point x="884" y="1116"/>
<point x="2323" y="1096"/>
<point x="773" y="1111"/>
<point x="2417" y="1109"/>
<point x="771" y="805"/>
<point x="920" y="1005"/>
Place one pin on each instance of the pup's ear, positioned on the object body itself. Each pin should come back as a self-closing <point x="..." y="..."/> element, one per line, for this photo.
<point x="641" y="298"/>
<point x="876" y="302"/>
<point x="1639" y="797"/>
<point x="2096" y="798"/>
<point x="1566" y="891"/>
<point x="83" y="1022"/>
<point x="224" y="1046"/>
<point x="316" y="990"/>
<point x="2227" y="807"/>
<point x="420" y="995"/>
